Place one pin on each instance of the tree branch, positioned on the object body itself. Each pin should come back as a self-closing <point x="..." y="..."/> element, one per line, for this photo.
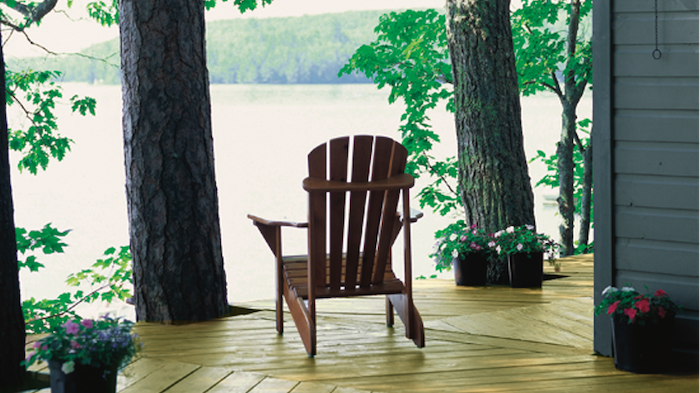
<point x="33" y="13"/>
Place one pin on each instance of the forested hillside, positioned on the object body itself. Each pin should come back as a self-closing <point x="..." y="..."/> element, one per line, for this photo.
<point x="306" y="49"/>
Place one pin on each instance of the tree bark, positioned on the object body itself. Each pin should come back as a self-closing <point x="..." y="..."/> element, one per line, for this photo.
<point x="12" y="335"/>
<point x="493" y="174"/>
<point x="171" y="190"/>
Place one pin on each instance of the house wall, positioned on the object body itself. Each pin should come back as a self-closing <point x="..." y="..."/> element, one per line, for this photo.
<point x="648" y="126"/>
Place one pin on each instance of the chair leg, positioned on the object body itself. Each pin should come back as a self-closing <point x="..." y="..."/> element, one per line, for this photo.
<point x="389" y="313"/>
<point x="303" y="319"/>
<point x="410" y="317"/>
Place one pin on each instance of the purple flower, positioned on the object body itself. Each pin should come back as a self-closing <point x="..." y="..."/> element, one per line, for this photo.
<point x="71" y="327"/>
<point x="87" y="323"/>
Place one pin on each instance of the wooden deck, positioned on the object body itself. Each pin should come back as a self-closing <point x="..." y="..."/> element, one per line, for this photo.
<point x="479" y="339"/>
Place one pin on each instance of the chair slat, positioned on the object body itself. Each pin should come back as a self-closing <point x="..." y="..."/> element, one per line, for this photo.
<point x="317" y="217"/>
<point x="386" y="236"/>
<point x="362" y="157"/>
<point x="380" y="170"/>
<point x="339" y="148"/>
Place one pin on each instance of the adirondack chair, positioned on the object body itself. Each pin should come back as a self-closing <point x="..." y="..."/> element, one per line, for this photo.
<point x="358" y="259"/>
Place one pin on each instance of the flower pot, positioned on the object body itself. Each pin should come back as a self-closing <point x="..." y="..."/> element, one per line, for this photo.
<point x="83" y="379"/>
<point x="525" y="270"/>
<point x="643" y="348"/>
<point x="470" y="269"/>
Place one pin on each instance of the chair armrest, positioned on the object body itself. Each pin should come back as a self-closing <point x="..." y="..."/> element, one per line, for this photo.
<point x="277" y="223"/>
<point x="397" y="182"/>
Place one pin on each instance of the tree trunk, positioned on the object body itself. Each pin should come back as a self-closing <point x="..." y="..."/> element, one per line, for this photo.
<point x="586" y="196"/>
<point x="168" y="147"/>
<point x="565" y="166"/>
<point x="573" y="92"/>
<point x="493" y="177"/>
<point x="12" y="336"/>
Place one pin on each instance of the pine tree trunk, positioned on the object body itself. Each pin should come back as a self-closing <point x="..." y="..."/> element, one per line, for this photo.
<point x="12" y="335"/>
<point x="493" y="175"/>
<point x="171" y="189"/>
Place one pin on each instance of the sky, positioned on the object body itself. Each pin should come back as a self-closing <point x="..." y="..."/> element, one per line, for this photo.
<point x="67" y="30"/>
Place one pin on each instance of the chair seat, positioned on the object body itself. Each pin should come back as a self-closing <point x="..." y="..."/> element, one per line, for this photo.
<point x="296" y="275"/>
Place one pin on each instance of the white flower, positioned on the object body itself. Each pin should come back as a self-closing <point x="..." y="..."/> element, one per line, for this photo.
<point x="455" y="253"/>
<point x="609" y="289"/>
<point x="627" y="289"/>
<point x="510" y="229"/>
<point x="529" y="227"/>
<point x="492" y="244"/>
<point x="498" y="249"/>
<point x="453" y="237"/>
<point x="68" y="367"/>
<point x="498" y="234"/>
<point x="519" y="247"/>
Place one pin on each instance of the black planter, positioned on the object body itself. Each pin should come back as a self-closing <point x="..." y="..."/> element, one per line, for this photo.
<point x="83" y="379"/>
<point x="470" y="269"/>
<point x="643" y="349"/>
<point x="525" y="270"/>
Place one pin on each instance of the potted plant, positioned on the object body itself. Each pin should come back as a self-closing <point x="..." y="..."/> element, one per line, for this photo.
<point x="525" y="250"/>
<point x="85" y="355"/>
<point x="642" y="328"/>
<point x="466" y="250"/>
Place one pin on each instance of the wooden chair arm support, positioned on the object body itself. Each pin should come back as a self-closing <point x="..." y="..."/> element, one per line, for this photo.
<point x="272" y="223"/>
<point x="397" y="182"/>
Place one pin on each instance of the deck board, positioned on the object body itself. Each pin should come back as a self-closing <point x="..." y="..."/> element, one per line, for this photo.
<point x="478" y="339"/>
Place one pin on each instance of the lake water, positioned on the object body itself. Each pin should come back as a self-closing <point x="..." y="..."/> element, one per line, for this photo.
<point x="262" y="134"/>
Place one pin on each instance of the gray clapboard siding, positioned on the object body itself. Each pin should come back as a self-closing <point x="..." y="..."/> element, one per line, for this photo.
<point x="646" y="120"/>
<point x="634" y="61"/>
<point x="644" y="6"/>
<point x="638" y="29"/>
<point x="643" y="191"/>
<point x="657" y="224"/>
<point x="656" y="126"/>
<point x="668" y="159"/>
<point x="656" y="256"/>
<point x="648" y="93"/>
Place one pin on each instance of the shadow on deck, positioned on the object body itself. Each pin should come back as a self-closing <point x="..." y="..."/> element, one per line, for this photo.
<point x="478" y="339"/>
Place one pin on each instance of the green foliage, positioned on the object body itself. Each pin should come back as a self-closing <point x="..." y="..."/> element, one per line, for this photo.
<point x="113" y="276"/>
<point x="457" y="239"/>
<point x="540" y="29"/>
<point x="243" y="5"/>
<point x="106" y="14"/>
<point x="108" y="279"/>
<point x="48" y="239"/>
<point x="37" y="94"/>
<point x="410" y="56"/>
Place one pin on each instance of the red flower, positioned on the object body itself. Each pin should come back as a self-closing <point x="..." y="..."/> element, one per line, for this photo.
<point x="642" y="305"/>
<point x="660" y="293"/>
<point x="631" y="313"/>
<point x="613" y="307"/>
<point x="662" y="312"/>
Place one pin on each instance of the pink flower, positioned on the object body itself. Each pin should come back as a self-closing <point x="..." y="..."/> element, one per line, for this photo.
<point x="660" y="293"/>
<point x="71" y="327"/>
<point x="473" y="246"/>
<point x="473" y="226"/>
<point x="642" y="305"/>
<point x="36" y="345"/>
<point x="662" y="312"/>
<point x="74" y="344"/>
<point x="87" y="323"/>
<point x="463" y="238"/>
<point x="631" y="313"/>
<point x="613" y="307"/>
<point x="30" y="354"/>
<point x="478" y="248"/>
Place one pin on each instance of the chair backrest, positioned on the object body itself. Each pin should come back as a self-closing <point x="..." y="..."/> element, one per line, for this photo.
<point x="365" y="239"/>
